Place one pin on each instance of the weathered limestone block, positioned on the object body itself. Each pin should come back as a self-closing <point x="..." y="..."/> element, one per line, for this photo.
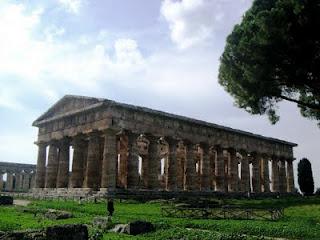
<point x="67" y="232"/>
<point x="245" y="173"/>
<point x="290" y="177"/>
<point x="220" y="170"/>
<point x="109" y="162"/>
<point x="275" y="175"/>
<point x="233" y="172"/>
<point x="77" y="175"/>
<point x="154" y="163"/>
<point x="63" y="169"/>
<point x="41" y="166"/>
<point x="92" y="179"/>
<point x="52" y="167"/>
<point x="133" y="161"/>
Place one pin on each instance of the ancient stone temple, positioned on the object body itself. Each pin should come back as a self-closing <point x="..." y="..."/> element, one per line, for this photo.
<point x="91" y="144"/>
<point x="16" y="177"/>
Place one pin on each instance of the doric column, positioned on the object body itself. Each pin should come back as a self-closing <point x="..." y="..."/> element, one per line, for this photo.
<point x="282" y="176"/>
<point x="190" y="182"/>
<point x="256" y="166"/>
<point x="233" y="171"/>
<point x="290" y="177"/>
<point x="275" y="175"/>
<point x="26" y="181"/>
<point x="154" y="163"/>
<point x="52" y="167"/>
<point x="109" y="162"/>
<point x="92" y="179"/>
<point x="77" y="175"/>
<point x="205" y="168"/>
<point x="220" y="170"/>
<point x="1" y="181"/>
<point x="171" y="177"/>
<point x="133" y="161"/>
<point x="245" y="172"/>
<point x="64" y="159"/>
<point x="265" y="173"/>
<point x="41" y="165"/>
<point x="18" y="185"/>
<point x="123" y="160"/>
<point x="9" y="183"/>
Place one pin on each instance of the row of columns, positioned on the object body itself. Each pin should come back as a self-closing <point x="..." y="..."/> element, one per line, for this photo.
<point x="16" y="181"/>
<point x="109" y="160"/>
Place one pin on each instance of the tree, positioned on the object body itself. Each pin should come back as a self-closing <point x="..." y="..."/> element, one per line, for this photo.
<point x="305" y="178"/>
<point x="274" y="55"/>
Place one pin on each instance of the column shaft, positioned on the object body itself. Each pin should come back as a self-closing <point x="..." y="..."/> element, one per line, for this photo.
<point x="63" y="169"/>
<point x="77" y="175"/>
<point x="265" y="175"/>
<point x="282" y="177"/>
<point x="9" y="183"/>
<point x="52" y="167"/>
<point x="245" y="173"/>
<point x="205" y="169"/>
<point x="171" y="176"/>
<point x="92" y="179"/>
<point x="109" y="162"/>
<point x="191" y="180"/>
<point x="275" y="176"/>
<point x="1" y="182"/>
<point x="154" y="164"/>
<point x="220" y="170"/>
<point x="123" y="161"/>
<point x="290" y="177"/>
<point x="256" y="166"/>
<point x="233" y="171"/>
<point x="26" y="181"/>
<point x="133" y="162"/>
<point x="41" y="166"/>
<point x="18" y="185"/>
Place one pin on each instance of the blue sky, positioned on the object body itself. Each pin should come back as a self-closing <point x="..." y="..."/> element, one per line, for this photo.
<point x="159" y="54"/>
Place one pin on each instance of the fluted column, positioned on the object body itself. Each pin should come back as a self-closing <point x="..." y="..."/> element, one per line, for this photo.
<point x="154" y="163"/>
<point x="1" y="181"/>
<point x="123" y="161"/>
<point x="9" y="183"/>
<point x="171" y="177"/>
<point x="282" y="176"/>
<point x="256" y="162"/>
<point x="26" y="181"/>
<point x="265" y="173"/>
<point x="190" y="182"/>
<point x="133" y="161"/>
<point x="245" y="172"/>
<point x="275" y="175"/>
<point x="92" y="179"/>
<point x="18" y="185"/>
<point x="205" y="168"/>
<point x="109" y="162"/>
<point x="290" y="177"/>
<point x="220" y="170"/>
<point x="52" y="167"/>
<point x="41" y="165"/>
<point x="77" y="175"/>
<point x="233" y="171"/>
<point x="64" y="160"/>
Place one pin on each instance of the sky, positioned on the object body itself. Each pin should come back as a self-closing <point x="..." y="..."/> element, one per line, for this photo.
<point x="162" y="54"/>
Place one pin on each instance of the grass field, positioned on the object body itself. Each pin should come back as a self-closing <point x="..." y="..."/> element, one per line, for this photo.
<point x="301" y="221"/>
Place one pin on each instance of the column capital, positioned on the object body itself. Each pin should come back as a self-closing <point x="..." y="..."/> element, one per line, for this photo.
<point x="41" y="143"/>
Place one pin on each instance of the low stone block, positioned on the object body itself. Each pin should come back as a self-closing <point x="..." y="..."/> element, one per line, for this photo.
<point x="6" y="200"/>
<point x="103" y="223"/>
<point x="67" y="232"/>
<point x="138" y="227"/>
<point x="56" y="215"/>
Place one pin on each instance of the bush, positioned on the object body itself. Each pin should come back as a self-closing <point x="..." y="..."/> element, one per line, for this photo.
<point x="305" y="178"/>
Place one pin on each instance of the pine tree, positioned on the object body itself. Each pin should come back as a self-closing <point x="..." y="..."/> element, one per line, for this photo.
<point x="305" y="178"/>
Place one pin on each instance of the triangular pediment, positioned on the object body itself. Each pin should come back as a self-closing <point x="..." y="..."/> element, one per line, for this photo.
<point x="67" y="104"/>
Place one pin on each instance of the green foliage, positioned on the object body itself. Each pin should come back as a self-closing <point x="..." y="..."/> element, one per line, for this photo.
<point x="302" y="219"/>
<point x="273" y="55"/>
<point x="305" y="177"/>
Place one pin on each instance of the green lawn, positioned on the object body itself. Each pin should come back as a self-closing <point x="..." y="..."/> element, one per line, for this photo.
<point x="301" y="221"/>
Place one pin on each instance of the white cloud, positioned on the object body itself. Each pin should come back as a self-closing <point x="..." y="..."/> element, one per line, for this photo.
<point x="72" y="6"/>
<point x="193" y="21"/>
